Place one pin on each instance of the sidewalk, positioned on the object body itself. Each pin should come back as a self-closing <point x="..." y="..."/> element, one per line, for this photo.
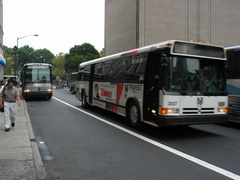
<point x="19" y="155"/>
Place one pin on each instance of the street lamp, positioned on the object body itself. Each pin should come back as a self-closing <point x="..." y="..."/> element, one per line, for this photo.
<point x="25" y="37"/>
<point x="18" y="38"/>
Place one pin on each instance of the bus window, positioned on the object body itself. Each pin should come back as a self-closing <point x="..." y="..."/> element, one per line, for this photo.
<point x="80" y="76"/>
<point x="86" y="73"/>
<point x="98" y="75"/>
<point x="121" y="69"/>
<point x="106" y="69"/>
<point x="136" y="69"/>
<point x="192" y="74"/>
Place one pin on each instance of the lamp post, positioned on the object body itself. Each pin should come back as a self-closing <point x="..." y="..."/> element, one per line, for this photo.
<point x="18" y="38"/>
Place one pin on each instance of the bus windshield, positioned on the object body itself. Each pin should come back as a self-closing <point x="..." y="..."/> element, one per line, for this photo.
<point x="38" y="75"/>
<point x="187" y="74"/>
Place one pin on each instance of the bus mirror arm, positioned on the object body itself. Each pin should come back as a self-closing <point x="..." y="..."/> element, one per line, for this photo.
<point x="164" y="60"/>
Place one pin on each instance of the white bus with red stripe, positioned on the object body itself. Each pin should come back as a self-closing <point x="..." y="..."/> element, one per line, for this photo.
<point x="164" y="84"/>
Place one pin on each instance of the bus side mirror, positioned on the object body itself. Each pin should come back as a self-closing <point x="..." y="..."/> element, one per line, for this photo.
<point x="164" y="60"/>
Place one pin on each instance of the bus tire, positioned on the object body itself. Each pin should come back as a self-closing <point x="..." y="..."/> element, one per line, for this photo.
<point x="133" y="115"/>
<point x="84" y="100"/>
<point x="72" y="90"/>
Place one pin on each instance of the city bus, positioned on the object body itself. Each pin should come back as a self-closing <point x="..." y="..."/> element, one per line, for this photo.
<point x="37" y="80"/>
<point x="171" y="83"/>
<point x="72" y="82"/>
<point x="233" y="82"/>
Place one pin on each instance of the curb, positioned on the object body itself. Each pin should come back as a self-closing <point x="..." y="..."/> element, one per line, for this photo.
<point x="41" y="173"/>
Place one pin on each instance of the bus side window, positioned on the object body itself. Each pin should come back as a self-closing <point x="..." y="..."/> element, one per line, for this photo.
<point x="235" y="63"/>
<point x="106" y="69"/>
<point x="140" y="71"/>
<point x="121" y="70"/>
<point x="136" y="69"/>
<point x="131" y="69"/>
<point x="115" y="69"/>
<point x="80" y="76"/>
<point x="86" y="73"/>
<point x="98" y="75"/>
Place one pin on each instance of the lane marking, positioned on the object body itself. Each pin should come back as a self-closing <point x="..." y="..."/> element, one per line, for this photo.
<point x="162" y="146"/>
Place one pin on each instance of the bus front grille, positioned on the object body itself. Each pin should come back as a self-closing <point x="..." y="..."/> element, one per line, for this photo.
<point x="198" y="111"/>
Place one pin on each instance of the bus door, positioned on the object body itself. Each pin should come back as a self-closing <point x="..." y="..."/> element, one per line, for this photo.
<point x="91" y="84"/>
<point x="151" y="88"/>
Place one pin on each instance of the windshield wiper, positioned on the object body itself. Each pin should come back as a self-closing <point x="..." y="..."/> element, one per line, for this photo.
<point x="35" y="80"/>
<point x="183" y="92"/>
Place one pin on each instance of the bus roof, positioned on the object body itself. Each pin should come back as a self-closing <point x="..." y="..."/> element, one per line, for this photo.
<point x="37" y="64"/>
<point x="234" y="48"/>
<point x="74" y="72"/>
<point x="150" y="48"/>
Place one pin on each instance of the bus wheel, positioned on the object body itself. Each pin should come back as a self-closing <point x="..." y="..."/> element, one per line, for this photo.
<point x="84" y="100"/>
<point x="133" y="115"/>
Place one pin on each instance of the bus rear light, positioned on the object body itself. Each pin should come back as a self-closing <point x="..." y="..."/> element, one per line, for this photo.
<point x="223" y="110"/>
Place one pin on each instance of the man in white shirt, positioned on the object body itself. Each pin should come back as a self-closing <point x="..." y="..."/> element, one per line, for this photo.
<point x="10" y="95"/>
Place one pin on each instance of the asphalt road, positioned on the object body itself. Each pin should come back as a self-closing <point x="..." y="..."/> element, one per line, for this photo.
<point x="95" y="144"/>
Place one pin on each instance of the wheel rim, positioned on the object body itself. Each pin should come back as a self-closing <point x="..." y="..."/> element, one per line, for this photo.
<point x="134" y="114"/>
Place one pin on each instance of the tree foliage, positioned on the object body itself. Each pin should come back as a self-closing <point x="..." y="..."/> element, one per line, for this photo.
<point x="102" y="52"/>
<point x="58" y="66"/>
<point x="10" y="60"/>
<point x="62" y="63"/>
<point x="25" y="55"/>
<point x="44" y="56"/>
<point x="79" y="54"/>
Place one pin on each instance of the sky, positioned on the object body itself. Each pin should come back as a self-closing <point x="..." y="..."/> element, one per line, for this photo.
<point x="59" y="24"/>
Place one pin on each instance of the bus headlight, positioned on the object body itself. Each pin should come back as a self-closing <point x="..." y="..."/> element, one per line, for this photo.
<point x="165" y="111"/>
<point x="49" y="90"/>
<point x="223" y="110"/>
<point x="26" y="90"/>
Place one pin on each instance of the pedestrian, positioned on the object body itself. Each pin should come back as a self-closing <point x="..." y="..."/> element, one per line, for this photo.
<point x="9" y="95"/>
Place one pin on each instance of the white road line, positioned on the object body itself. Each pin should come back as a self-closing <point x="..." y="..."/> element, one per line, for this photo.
<point x="162" y="146"/>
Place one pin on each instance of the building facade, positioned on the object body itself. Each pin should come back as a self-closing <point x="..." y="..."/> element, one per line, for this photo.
<point x="2" y="60"/>
<point x="131" y="24"/>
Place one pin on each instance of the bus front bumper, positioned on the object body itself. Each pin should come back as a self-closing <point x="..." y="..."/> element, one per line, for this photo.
<point x="37" y="95"/>
<point x="191" y="120"/>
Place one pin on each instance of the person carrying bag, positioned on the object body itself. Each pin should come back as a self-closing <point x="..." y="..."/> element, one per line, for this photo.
<point x="9" y="95"/>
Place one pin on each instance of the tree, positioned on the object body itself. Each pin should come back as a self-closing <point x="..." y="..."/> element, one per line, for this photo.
<point x="84" y="49"/>
<point x="10" y="60"/>
<point x="43" y="56"/>
<point x="79" y="54"/>
<point x="25" y="55"/>
<point x="58" y="66"/>
<point x="102" y="52"/>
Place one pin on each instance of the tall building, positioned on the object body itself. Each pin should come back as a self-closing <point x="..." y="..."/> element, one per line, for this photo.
<point x="135" y="23"/>
<point x="2" y="60"/>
